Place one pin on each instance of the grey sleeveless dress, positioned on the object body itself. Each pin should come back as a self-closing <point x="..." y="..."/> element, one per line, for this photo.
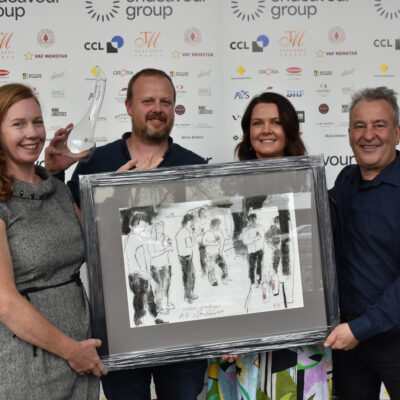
<point x="47" y="248"/>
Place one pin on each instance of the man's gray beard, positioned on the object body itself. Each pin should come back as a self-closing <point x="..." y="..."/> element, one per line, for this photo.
<point x="153" y="136"/>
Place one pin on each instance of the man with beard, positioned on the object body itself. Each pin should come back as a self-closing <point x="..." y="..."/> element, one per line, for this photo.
<point x="150" y="102"/>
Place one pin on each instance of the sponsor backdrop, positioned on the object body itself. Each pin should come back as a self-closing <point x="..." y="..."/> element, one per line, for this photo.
<point x="219" y="54"/>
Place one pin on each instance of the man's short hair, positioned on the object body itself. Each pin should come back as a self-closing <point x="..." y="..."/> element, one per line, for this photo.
<point x="137" y="217"/>
<point x="373" y="94"/>
<point x="215" y="222"/>
<point x="186" y="218"/>
<point x="252" y="217"/>
<point x="148" y="72"/>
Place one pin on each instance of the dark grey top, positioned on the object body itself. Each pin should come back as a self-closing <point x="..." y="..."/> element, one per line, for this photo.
<point x="46" y="244"/>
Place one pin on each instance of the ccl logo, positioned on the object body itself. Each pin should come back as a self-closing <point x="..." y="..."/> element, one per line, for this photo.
<point x="386" y="43"/>
<point x="111" y="47"/>
<point x="257" y="46"/>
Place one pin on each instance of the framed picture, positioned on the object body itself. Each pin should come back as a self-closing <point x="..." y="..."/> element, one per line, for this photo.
<point x="199" y="261"/>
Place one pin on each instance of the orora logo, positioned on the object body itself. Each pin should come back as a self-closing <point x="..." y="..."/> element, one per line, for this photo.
<point x="293" y="70"/>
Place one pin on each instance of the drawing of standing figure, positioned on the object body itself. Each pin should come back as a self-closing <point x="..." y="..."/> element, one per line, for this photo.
<point x="201" y="225"/>
<point x="273" y="239"/>
<point x="253" y="238"/>
<point x="159" y="247"/>
<point x="214" y="242"/>
<point x="138" y="275"/>
<point x="184" y="242"/>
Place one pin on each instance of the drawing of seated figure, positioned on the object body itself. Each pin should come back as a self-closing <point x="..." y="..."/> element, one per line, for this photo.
<point x="253" y="238"/>
<point x="184" y="243"/>
<point x="201" y="225"/>
<point x="159" y="246"/>
<point x="138" y="274"/>
<point x="214" y="242"/>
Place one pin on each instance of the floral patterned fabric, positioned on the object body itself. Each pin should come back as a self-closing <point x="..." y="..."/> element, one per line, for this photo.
<point x="303" y="373"/>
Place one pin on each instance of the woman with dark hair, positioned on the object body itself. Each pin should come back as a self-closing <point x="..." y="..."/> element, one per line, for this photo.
<point x="45" y="350"/>
<point x="271" y="129"/>
<point x="279" y="112"/>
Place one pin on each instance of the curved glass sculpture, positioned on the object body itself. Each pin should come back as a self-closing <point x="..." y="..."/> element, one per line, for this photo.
<point x="82" y="139"/>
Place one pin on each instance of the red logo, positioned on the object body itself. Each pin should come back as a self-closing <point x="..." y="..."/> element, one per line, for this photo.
<point x="192" y="36"/>
<point x="336" y="35"/>
<point x="180" y="109"/>
<point x="293" y="70"/>
<point x="4" y="72"/>
<point x="45" y="38"/>
<point x="5" y="38"/>
<point x="323" y="108"/>
<point x="147" y="39"/>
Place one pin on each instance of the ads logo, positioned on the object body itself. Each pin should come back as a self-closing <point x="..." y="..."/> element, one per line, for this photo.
<point x="102" y="10"/>
<point x="292" y="43"/>
<point x="248" y="10"/>
<point x="389" y="9"/>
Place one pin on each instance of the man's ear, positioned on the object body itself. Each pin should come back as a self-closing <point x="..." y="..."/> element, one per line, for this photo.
<point x="128" y="105"/>
<point x="397" y="134"/>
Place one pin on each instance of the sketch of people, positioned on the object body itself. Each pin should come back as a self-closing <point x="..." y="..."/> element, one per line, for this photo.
<point x="201" y="225"/>
<point x="273" y="239"/>
<point x="159" y="246"/>
<point x="253" y="238"/>
<point x="138" y="275"/>
<point x="214" y="242"/>
<point x="184" y="242"/>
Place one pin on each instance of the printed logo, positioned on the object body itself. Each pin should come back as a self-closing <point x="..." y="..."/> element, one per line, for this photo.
<point x="295" y="93"/>
<point x="115" y="44"/>
<point x="322" y="73"/>
<point x="259" y="44"/>
<point x="25" y="75"/>
<point x="301" y="116"/>
<point x="111" y="47"/>
<point x="45" y="38"/>
<point x="101" y="12"/>
<point x="268" y="71"/>
<point x="173" y="74"/>
<point x="192" y="36"/>
<point x="242" y="95"/>
<point x="205" y="91"/>
<point x="203" y="110"/>
<point x="55" y="112"/>
<point x="323" y="108"/>
<point x="147" y="44"/>
<point x="123" y="72"/>
<point x="387" y="10"/>
<point x="336" y="35"/>
<point x="292" y="43"/>
<point x="248" y="10"/>
<point x="57" y="75"/>
<point x="347" y="72"/>
<point x="201" y="74"/>
<point x="180" y="109"/>
<point x="5" y="45"/>
<point x="4" y="72"/>
<point x="241" y="70"/>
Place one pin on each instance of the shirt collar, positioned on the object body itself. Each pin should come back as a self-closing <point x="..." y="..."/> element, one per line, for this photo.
<point x="125" y="150"/>
<point x="390" y="174"/>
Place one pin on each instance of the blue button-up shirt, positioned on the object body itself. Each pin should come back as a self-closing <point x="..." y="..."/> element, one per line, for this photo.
<point x="367" y="242"/>
<point x="112" y="156"/>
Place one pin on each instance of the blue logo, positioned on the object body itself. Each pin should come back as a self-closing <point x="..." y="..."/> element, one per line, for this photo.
<point x="116" y="43"/>
<point x="259" y="44"/>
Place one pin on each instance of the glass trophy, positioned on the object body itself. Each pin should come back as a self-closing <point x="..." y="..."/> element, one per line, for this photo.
<point x="82" y="138"/>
